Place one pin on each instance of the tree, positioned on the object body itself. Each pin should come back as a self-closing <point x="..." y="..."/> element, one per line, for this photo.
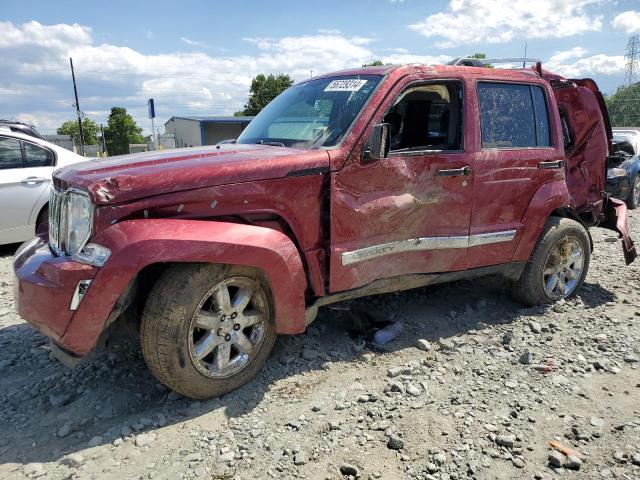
<point x="263" y="90"/>
<point x="624" y="106"/>
<point x="375" y="63"/>
<point x="90" y="131"/>
<point x="121" y="131"/>
<point x="481" y="56"/>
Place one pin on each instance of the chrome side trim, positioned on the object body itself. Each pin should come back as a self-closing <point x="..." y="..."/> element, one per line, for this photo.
<point x="493" y="237"/>
<point x="425" y="243"/>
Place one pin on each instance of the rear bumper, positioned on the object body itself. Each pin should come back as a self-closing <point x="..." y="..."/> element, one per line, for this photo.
<point x="44" y="287"/>
<point x="616" y="219"/>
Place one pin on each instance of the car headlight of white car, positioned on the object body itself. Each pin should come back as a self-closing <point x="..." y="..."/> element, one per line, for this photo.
<point x="70" y="227"/>
<point x="616" y="173"/>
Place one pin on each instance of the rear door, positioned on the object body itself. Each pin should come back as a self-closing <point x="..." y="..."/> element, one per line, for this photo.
<point x="515" y="154"/>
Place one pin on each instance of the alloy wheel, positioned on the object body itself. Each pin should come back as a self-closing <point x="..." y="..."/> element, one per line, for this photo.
<point x="228" y="327"/>
<point x="563" y="268"/>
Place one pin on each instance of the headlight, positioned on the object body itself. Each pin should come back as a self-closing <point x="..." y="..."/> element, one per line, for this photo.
<point x="616" y="172"/>
<point x="79" y="218"/>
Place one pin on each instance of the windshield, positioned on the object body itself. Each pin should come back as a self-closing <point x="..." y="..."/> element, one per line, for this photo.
<point x="316" y="113"/>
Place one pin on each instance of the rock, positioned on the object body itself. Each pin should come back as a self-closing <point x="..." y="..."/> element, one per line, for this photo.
<point x="517" y="462"/>
<point x="423" y="345"/>
<point x="507" y="338"/>
<point x="348" y="469"/>
<point x="525" y="358"/>
<point x="414" y="390"/>
<point x="310" y="354"/>
<point x="636" y="459"/>
<point x="395" y="442"/>
<point x="572" y="463"/>
<point x="65" y="430"/>
<point x="73" y="460"/>
<point x="596" y="422"/>
<point x="60" y="399"/>
<point x="631" y="358"/>
<point x="301" y="458"/>
<point x="144" y="439"/>
<point x="506" y="440"/>
<point x="34" y="469"/>
<point x="534" y="326"/>
<point x="394" y="372"/>
<point x="95" y="441"/>
<point x="556" y="459"/>
<point x="440" y="458"/>
<point x="446" y="344"/>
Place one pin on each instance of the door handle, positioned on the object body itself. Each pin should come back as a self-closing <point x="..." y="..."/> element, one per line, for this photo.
<point x="33" y="180"/>
<point x="550" y="165"/>
<point x="454" y="172"/>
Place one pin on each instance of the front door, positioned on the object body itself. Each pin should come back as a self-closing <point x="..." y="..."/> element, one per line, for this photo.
<point x="410" y="212"/>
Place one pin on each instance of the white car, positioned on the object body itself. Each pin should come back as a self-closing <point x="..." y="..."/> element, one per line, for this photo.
<point x="26" y="165"/>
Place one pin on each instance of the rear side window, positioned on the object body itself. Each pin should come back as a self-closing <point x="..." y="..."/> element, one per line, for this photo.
<point x="10" y="153"/>
<point x="513" y="115"/>
<point x="37" y="156"/>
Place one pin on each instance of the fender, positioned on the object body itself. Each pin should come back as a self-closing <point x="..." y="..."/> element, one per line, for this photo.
<point x="548" y="197"/>
<point x="134" y="244"/>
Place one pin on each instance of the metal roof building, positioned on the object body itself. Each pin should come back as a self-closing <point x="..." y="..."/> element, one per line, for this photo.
<point x="190" y="131"/>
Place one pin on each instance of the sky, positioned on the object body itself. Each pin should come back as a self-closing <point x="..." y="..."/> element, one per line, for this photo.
<point x="197" y="57"/>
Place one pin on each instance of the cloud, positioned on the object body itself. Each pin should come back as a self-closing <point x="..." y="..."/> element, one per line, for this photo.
<point x="500" y="21"/>
<point x="628" y="22"/>
<point x="193" y="43"/>
<point x="35" y="77"/>
<point x="150" y="35"/>
<point x="574" y="63"/>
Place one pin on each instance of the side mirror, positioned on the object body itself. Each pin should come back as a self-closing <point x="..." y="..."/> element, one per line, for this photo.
<point x="378" y="145"/>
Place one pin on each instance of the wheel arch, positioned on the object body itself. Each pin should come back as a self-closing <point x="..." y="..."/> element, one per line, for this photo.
<point x="142" y="249"/>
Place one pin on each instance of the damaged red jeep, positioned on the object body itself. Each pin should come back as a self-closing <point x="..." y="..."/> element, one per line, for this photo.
<point x="348" y="184"/>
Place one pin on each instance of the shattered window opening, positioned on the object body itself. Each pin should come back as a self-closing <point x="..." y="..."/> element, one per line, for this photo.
<point x="513" y="115"/>
<point x="426" y="117"/>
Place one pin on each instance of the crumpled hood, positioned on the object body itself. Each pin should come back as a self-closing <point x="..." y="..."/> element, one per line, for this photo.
<point x="129" y="177"/>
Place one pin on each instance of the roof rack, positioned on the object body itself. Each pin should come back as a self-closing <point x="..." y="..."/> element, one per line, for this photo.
<point x="481" y="62"/>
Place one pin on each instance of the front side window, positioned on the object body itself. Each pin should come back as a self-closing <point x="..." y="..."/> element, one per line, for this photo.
<point x="315" y="113"/>
<point x="10" y="153"/>
<point x="37" y="156"/>
<point x="513" y="115"/>
<point x="426" y="117"/>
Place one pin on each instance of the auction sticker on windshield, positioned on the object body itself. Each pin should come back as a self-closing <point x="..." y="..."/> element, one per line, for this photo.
<point x="346" y="85"/>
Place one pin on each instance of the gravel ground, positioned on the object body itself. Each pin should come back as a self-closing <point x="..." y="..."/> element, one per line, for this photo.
<point x="475" y="387"/>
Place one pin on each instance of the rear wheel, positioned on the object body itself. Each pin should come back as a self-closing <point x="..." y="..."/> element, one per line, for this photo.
<point x="43" y="217"/>
<point x="558" y="265"/>
<point x="633" y="201"/>
<point x="207" y="329"/>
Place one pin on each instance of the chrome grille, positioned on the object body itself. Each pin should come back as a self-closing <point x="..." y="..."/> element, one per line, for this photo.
<point x="56" y="206"/>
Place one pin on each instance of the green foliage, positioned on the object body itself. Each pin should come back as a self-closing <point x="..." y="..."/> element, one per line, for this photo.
<point x="121" y="131"/>
<point x="375" y="63"/>
<point x="480" y="56"/>
<point x="263" y="90"/>
<point x="624" y="106"/>
<point x="90" y="131"/>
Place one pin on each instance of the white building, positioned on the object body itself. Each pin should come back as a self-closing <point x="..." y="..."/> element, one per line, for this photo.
<point x="204" y="130"/>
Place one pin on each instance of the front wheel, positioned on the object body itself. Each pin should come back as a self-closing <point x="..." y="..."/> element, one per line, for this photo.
<point x="633" y="200"/>
<point x="207" y="329"/>
<point x="558" y="265"/>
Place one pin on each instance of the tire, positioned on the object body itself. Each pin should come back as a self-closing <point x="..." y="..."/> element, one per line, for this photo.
<point x="633" y="200"/>
<point x="563" y="237"/>
<point x="182" y="318"/>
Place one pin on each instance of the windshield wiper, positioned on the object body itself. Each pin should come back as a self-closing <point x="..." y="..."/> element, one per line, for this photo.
<point x="273" y="144"/>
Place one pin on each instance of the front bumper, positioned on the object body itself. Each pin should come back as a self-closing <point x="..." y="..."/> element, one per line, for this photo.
<point x="44" y="288"/>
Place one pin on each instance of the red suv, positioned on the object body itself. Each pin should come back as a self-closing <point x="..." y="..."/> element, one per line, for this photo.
<point x="349" y="184"/>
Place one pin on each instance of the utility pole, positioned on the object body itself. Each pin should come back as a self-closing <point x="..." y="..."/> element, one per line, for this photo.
<point x="524" y="62"/>
<point x="75" y="92"/>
